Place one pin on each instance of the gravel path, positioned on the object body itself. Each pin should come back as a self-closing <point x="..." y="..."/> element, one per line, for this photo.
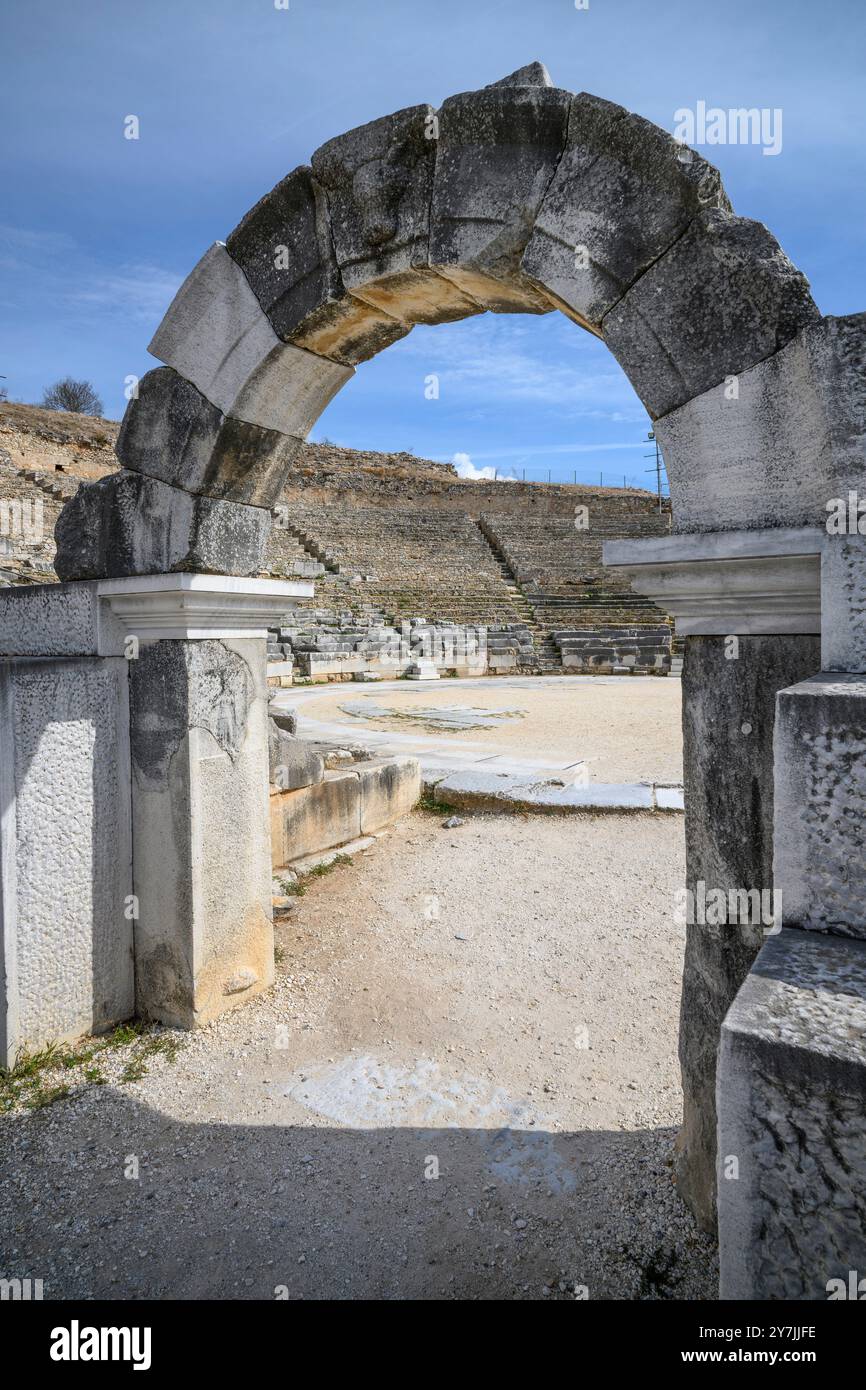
<point x="496" y="1002"/>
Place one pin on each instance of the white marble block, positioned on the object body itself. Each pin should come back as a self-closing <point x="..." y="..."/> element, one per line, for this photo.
<point x="66" y="928"/>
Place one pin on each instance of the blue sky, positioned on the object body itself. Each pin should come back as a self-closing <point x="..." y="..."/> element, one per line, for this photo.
<point x="97" y="231"/>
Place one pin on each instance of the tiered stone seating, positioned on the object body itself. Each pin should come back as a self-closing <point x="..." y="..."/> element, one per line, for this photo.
<point x="586" y="612"/>
<point x="408" y="562"/>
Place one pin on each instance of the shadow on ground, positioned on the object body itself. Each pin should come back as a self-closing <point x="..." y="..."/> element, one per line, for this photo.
<point x="231" y="1211"/>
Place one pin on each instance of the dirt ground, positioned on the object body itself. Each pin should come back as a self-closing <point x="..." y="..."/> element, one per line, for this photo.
<point x="627" y="729"/>
<point x="463" y="1086"/>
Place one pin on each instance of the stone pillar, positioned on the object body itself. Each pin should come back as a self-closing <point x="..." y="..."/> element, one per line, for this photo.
<point x="200" y="813"/>
<point x="729" y="697"/>
<point x="748" y="604"/>
<point x="198" y="733"/>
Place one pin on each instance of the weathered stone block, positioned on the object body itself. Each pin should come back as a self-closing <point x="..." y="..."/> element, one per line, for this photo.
<point x="283" y="246"/>
<point x="728" y="721"/>
<point x="57" y="620"/>
<point x="198" y="718"/>
<point x="792" y="1087"/>
<point x="315" y="818"/>
<point x="821" y="804"/>
<point x="217" y="336"/>
<point x="214" y="332"/>
<point x="289" y="390"/>
<point x="843" y="603"/>
<point x="497" y="153"/>
<point x="292" y="762"/>
<point x="723" y="297"/>
<point x="776" y="446"/>
<point x="622" y="193"/>
<point x="128" y="524"/>
<point x="379" y="180"/>
<point x="66" y="930"/>
<point x="173" y="433"/>
<point x="389" y="789"/>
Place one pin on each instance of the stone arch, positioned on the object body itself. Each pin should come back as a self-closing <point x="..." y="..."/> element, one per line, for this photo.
<point x="519" y="197"/>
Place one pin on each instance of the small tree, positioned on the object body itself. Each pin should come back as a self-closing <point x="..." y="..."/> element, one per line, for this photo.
<point x="72" y="395"/>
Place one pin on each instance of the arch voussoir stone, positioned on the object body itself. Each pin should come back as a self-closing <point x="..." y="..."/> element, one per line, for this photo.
<point x="722" y="298"/>
<point x="378" y="181"/>
<point x="284" y="247"/>
<point x="622" y="193"/>
<point x="497" y="152"/>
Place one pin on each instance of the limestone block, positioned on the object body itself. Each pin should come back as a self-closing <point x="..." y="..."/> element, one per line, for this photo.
<point x="843" y="603"/>
<point x="379" y="180"/>
<point x="292" y="762"/>
<point x="330" y="663"/>
<point x="820" y="804"/>
<point x="724" y="297"/>
<point x="289" y="390"/>
<point x="216" y="334"/>
<point x="315" y="818"/>
<point x="776" y="446"/>
<point x="128" y="524"/>
<point x="57" y="620"/>
<point x="66" y="931"/>
<point x="173" y="433"/>
<point x="199" y="738"/>
<point x="422" y="670"/>
<point x="285" y="719"/>
<point x="283" y="246"/>
<point x="728" y="778"/>
<point x="389" y="789"/>
<point x="497" y="152"/>
<point x="622" y="193"/>
<point x="792" y="1085"/>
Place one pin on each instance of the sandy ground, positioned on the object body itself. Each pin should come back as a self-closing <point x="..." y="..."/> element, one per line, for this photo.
<point x="627" y="729"/>
<point x="464" y="1085"/>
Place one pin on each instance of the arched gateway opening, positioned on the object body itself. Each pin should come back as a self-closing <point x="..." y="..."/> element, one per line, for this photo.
<point x="522" y="197"/>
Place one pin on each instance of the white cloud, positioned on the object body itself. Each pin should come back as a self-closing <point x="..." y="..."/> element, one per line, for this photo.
<point x="465" y="468"/>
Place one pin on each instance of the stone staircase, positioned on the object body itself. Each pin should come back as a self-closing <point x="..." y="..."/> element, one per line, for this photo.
<point x="557" y="564"/>
<point x="546" y="658"/>
<point x="54" y="485"/>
